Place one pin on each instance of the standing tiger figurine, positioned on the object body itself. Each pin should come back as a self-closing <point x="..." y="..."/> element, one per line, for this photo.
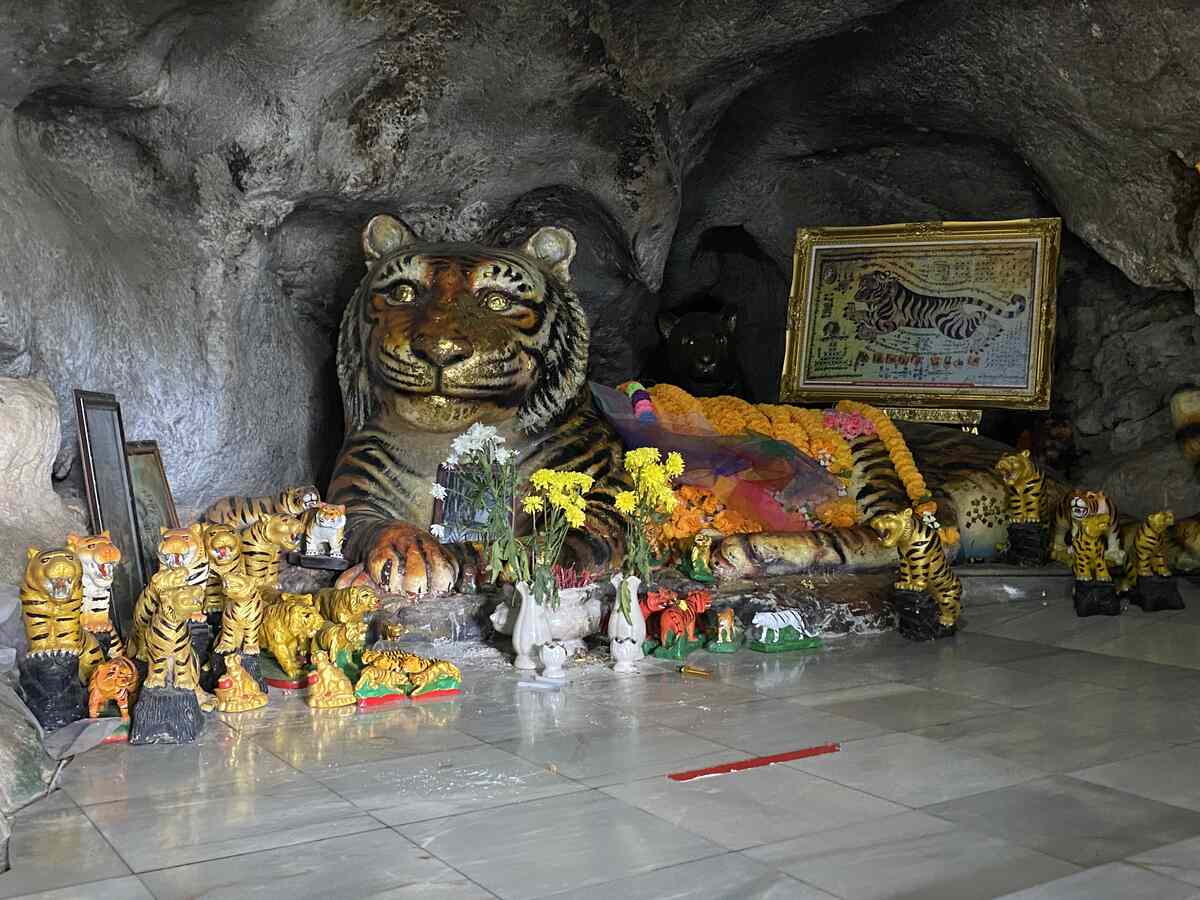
<point x="1028" y="508"/>
<point x="179" y="550"/>
<point x="263" y="546"/>
<point x="1147" y="577"/>
<point x="324" y="528"/>
<point x="115" y="681"/>
<point x="923" y="569"/>
<point x="1093" y="592"/>
<point x="1078" y="504"/>
<point x="223" y="545"/>
<point x="99" y="557"/>
<point x="242" y="512"/>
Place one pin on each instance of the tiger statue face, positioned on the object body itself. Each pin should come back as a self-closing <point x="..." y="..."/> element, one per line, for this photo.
<point x="1016" y="468"/>
<point x="893" y="529"/>
<point x="51" y="573"/>
<point x="1160" y="521"/>
<point x="181" y="547"/>
<point x="1095" y="527"/>
<point x="98" y="556"/>
<point x="330" y="515"/>
<point x="238" y="587"/>
<point x="440" y="336"/>
<point x="1087" y="504"/>
<point x="222" y="543"/>
<point x="181" y="603"/>
<point x="295" y="500"/>
<point x="284" y="531"/>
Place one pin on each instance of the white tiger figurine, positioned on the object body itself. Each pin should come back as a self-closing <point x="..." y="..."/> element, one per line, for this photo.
<point x="324" y="527"/>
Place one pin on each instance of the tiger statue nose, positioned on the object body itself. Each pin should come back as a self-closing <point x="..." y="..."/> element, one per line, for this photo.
<point x="440" y="350"/>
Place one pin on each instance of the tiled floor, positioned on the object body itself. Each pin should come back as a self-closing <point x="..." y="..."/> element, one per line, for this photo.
<point x="1035" y="755"/>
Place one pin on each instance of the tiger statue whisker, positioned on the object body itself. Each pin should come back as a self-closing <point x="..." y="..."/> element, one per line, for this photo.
<point x="923" y="565"/>
<point x="242" y="512"/>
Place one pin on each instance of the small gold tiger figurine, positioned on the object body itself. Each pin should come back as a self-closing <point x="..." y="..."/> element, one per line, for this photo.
<point x="1145" y="548"/>
<point x="332" y="688"/>
<point x="237" y="691"/>
<point x="1087" y="548"/>
<point x="923" y="565"/>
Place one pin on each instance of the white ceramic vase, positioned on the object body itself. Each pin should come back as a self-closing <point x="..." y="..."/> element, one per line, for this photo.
<point x="554" y="657"/>
<point x="576" y="616"/>
<point x="625" y="636"/>
<point x="530" y="630"/>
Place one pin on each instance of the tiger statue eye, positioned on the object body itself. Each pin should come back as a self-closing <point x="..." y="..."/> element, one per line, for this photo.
<point x="496" y="302"/>
<point x="403" y="293"/>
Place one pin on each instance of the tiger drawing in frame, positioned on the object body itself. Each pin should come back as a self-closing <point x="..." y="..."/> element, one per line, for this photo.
<point x="888" y="304"/>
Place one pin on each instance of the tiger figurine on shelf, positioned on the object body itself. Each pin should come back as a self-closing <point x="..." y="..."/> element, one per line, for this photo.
<point x="1145" y="548"/>
<point x="1026" y="488"/>
<point x="1088" y="536"/>
<point x="265" y="542"/>
<point x="442" y="336"/>
<point x="242" y="512"/>
<point x="1075" y="506"/>
<point x="223" y="545"/>
<point x="923" y="565"/>
<point x="170" y="659"/>
<point x="324" y="529"/>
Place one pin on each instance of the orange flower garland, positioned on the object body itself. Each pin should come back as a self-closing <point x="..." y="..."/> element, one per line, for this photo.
<point x="906" y="469"/>
<point x="698" y="508"/>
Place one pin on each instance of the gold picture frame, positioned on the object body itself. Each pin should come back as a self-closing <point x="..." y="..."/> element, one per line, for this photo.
<point x="930" y="315"/>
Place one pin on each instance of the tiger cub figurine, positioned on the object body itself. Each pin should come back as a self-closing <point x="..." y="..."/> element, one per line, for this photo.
<point x="242" y="512"/>
<point x="1026" y="488"/>
<point x="115" y="680"/>
<point x="923" y="565"/>
<point x="51" y="603"/>
<point x="1088" y="536"/>
<point x="99" y="557"/>
<point x="325" y="526"/>
<point x="1080" y="504"/>
<point x="241" y="622"/>
<point x="263" y="546"/>
<point x="223" y="545"/>
<point x="1145" y="548"/>
<point x="170" y="658"/>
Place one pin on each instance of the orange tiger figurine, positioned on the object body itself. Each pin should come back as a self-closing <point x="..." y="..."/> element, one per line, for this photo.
<point x="116" y="679"/>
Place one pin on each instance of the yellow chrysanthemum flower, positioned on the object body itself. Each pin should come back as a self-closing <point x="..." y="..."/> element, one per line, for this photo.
<point x="626" y="502"/>
<point x="533" y="504"/>
<point x="674" y="465"/>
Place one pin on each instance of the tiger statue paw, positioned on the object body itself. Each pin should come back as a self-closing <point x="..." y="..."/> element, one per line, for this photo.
<point x="404" y="559"/>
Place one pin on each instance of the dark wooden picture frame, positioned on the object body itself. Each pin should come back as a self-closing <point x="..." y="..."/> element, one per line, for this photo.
<point x="110" y="494"/>
<point x="152" y="500"/>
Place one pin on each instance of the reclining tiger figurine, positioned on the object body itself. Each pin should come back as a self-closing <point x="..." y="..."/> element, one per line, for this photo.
<point x="440" y="336"/>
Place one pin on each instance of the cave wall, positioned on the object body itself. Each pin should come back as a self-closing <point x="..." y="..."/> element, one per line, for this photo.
<point x="181" y="184"/>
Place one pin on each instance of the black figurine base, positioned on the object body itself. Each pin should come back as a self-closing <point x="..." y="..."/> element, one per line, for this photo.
<point x="1028" y="544"/>
<point x="1156" y="593"/>
<point x="917" y="616"/>
<point x="328" y="563"/>
<point x="53" y="692"/>
<point x="1096" y="598"/>
<point x="165" y="715"/>
<point x="202" y="640"/>
<point x="217" y="669"/>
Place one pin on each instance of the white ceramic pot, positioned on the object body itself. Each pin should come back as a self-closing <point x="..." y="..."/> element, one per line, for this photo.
<point x="625" y="636"/>
<point x="554" y="657"/>
<point x="576" y="616"/>
<point x="530" y="630"/>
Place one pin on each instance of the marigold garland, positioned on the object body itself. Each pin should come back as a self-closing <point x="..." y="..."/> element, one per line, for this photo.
<point x="885" y="429"/>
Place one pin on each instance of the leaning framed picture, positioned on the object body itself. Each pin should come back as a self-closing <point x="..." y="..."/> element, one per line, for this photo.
<point x="152" y="500"/>
<point x="934" y="314"/>
<point x="110" y="495"/>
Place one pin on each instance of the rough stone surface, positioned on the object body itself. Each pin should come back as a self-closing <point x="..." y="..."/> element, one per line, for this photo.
<point x="31" y="513"/>
<point x="181" y="185"/>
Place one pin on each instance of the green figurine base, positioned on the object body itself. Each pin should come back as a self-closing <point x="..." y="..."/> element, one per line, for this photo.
<point x="443" y="687"/>
<point x="715" y="646"/>
<point x="698" y="574"/>
<point x="350" y="662"/>
<point x="783" y="645"/>
<point x="678" y="648"/>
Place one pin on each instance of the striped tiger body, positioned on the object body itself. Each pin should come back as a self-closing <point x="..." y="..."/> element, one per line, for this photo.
<point x="1145" y="546"/>
<point x="171" y="661"/>
<point x="241" y="621"/>
<point x="223" y="546"/>
<point x="1026" y="488"/>
<point x="263" y="546"/>
<point x="1088" y="541"/>
<point x="889" y="305"/>
<point x="1074" y="506"/>
<point x="99" y="557"/>
<point x="242" y="512"/>
<point x="51" y="604"/>
<point x="441" y="336"/>
<point x="923" y="565"/>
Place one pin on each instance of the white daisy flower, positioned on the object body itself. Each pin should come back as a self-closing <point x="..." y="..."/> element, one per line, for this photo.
<point x="437" y="491"/>
<point x="438" y="531"/>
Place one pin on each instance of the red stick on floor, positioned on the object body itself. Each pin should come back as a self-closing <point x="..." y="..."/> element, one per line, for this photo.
<point x="754" y="763"/>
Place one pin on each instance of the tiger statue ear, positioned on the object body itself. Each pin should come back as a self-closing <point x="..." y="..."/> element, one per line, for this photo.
<point x="554" y="248"/>
<point x="383" y="235"/>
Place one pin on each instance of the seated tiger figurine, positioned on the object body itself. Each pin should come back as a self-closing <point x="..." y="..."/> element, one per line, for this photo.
<point x="1145" y="548"/>
<point x="241" y="621"/>
<point x="324" y="527"/>
<point x="168" y="644"/>
<point x="51" y="604"/>
<point x="99" y="557"/>
<point x="223" y="545"/>
<point x="332" y="688"/>
<point x="237" y="691"/>
<point x="1026" y="488"/>
<point x="334" y="637"/>
<point x="923" y="565"/>
<point x="1088" y="536"/>
<point x="287" y="629"/>
<point x="242" y="512"/>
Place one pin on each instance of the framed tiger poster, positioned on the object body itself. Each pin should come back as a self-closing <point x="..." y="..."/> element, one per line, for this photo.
<point x="935" y="314"/>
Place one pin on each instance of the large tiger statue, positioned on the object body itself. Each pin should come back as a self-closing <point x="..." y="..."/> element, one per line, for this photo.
<point x="440" y="336"/>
